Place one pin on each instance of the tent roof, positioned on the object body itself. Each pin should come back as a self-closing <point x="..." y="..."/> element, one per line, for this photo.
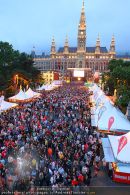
<point x="121" y="147"/>
<point x="119" y="121"/>
<point x="20" y="96"/>
<point x="108" y="153"/>
<point x="6" y="105"/>
<point x="30" y="93"/>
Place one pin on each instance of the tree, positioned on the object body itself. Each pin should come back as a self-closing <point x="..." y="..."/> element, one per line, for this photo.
<point x="12" y="64"/>
<point x="118" y="78"/>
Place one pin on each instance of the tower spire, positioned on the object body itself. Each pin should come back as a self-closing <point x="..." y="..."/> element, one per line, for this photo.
<point x="82" y="17"/>
<point x="83" y="3"/>
<point x="53" y="48"/>
<point x="33" y="54"/>
<point x="66" y="46"/>
<point x="98" y="41"/>
<point x="66" y="41"/>
<point x="112" y="47"/>
<point x="97" y="50"/>
<point x="82" y="30"/>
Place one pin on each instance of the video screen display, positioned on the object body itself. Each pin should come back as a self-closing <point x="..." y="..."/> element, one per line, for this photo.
<point x="78" y="73"/>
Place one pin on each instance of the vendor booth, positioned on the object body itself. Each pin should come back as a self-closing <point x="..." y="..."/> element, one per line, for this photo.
<point x="104" y="115"/>
<point x="112" y="120"/>
<point x="21" y="96"/>
<point x="4" y="105"/>
<point x="117" y="154"/>
<point x="57" y="83"/>
<point x="47" y="87"/>
<point x="30" y="93"/>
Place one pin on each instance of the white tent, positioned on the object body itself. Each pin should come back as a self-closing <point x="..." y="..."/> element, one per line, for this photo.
<point x="46" y="87"/>
<point x="6" y="105"/>
<point x="31" y="94"/>
<point x="100" y="101"/>
<point x="121" y="147"/>
<point x="111" y="119"/>
<point x="97" y="112"/>
<point x="57" y="82"/>
<point x="49" y="87"/>
<point x="43" y="87"/>
<point x="21" y="96"/>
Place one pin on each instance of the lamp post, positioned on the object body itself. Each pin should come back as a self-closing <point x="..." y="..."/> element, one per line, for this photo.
<point x="17" y="79"/>
<point x="115" y="93"/>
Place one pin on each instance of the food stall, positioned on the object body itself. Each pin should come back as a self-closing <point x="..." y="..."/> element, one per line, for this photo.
<point x="117" y="153"/>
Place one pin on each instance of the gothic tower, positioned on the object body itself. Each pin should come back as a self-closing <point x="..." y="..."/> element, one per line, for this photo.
<point x="97" y="50"/>
<point x="33" y="54"/>
<point x="82" y="31"/>
<point x="112" y="48"/>
<point x="53" y="48"/>
<point x="66" y="46"/>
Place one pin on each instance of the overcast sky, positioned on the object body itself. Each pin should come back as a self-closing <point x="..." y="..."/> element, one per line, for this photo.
<point x="25" y="23"/>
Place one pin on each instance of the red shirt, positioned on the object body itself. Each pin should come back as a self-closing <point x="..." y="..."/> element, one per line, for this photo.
<point x="3" y="154"/>
<point x="85" y="147"/>
<point x="1" y="166"/>
<point x="80" y="178"/>
<point x="74" y="182"/>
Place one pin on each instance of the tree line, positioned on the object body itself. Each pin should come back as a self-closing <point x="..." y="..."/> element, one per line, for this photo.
<point x="118" y="78"/>
<point x="16" y="69"/>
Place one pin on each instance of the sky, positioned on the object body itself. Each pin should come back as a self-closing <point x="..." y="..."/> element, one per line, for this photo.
<point x="28" y="23"/>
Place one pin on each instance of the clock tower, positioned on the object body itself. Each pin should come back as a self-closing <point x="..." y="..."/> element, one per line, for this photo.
<point x="82" y="31"/>
<point x="81" y="48"/>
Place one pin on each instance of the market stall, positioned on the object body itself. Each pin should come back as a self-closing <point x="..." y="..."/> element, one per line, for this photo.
<point x="112" y="120"/>
<point x="4" y="105"/>
<point x="30" y="93"/>
<point x="116" y="152"/>
<point x="47" y="87"/>
<point x="20" y="97"/>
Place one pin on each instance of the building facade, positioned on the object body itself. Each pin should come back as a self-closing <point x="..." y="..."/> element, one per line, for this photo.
<point x="66" y="59"/>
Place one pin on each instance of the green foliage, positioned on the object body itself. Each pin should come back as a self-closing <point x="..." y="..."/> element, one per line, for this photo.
<point x="13" y="63"/>
<point x="118" y="78"/>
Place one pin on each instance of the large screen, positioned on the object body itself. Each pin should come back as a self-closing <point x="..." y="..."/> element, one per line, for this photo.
<point x="78" y="73"/>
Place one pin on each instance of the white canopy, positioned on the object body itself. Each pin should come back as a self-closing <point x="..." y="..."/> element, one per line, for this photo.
<point x="113" y="120"/>
<point x="108" y="153"/>
<point x="121" y="147"/>
<point x="42" y="87"/>
<point x="46" y="87"/>
<point x="30" y="93"/>
<point x="20" y="96"/>
<point x="97" y="112"/>
<point x="49" y="88"/>
<point x="6" y="105"/>
<point x="57" y="83"/>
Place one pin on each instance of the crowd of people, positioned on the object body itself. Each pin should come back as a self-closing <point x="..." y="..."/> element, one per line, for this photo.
<point x="49" y="142"/>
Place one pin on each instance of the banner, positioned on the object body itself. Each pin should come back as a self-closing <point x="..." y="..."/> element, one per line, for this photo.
<point x="121" y="177"/>
<point x="110" y="122"/>
<point x="101" y="111"/>
<point x="122" y="143"/>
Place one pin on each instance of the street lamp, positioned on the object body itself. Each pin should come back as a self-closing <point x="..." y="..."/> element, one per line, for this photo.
<point x="115" y="93"/>
<point x="17" y="79"/>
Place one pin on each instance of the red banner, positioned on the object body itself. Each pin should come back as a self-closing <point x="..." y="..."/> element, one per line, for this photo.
<point x="56" y="76"/>
<point x="121" y="177"/>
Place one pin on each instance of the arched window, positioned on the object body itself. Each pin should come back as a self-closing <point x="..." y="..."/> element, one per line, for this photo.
<point x="80" y="64"/>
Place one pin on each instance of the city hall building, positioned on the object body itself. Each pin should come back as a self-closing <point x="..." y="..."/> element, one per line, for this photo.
<point x="76" y="62"/>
